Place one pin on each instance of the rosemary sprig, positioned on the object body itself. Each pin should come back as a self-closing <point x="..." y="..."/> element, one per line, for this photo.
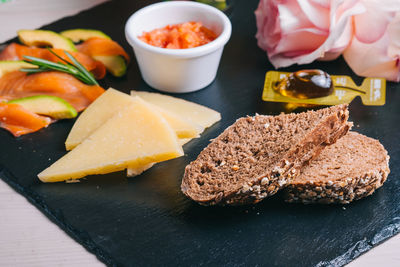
<point x="76" y="69"/>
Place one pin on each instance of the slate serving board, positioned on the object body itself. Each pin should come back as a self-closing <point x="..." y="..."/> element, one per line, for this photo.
<point x="147" y="220"/>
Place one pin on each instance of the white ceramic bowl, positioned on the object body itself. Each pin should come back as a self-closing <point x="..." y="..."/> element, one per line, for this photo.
<point x="178" y="70"/>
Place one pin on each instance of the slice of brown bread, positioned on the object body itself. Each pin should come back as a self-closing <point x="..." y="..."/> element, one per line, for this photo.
<point x="350" y="169"/>
<point x="256" y="156"/>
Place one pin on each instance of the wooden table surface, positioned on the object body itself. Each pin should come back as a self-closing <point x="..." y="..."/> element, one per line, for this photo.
<point x="27" y="237"/>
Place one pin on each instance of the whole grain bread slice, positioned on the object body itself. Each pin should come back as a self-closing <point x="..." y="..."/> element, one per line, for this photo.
<point x="350" y="169"/>
<point x="257" y="156"/>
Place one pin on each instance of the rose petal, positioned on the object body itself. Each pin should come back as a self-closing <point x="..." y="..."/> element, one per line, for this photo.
<point x="291" y="17"/>
<point x="322" y="3"/>
<point x="373" y="59"/>
<point x="265" y="37"/>
<point x="341" y="43"/>
<point x="285" y="21"/>
<point x="300" y="42"/>
<point x="383" y="5"/>
<point x="375" y="50"/>
<point x="317" y="14"/>
<point x="371" y="25"/>
<point x="347" y="4"/>
<point x="337" y="28"/>
<point x="290" y="36"/>
<point x="394" y="36"/>
<point x="389" y="70"/>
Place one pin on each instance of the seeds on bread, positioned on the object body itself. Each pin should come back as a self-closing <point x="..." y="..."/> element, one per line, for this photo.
<point x="350" y="169"/>
<point x="257" y="156"/>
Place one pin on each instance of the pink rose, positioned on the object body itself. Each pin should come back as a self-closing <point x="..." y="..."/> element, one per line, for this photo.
<point x="301" y="31"/>
<point x="375" y="48"/>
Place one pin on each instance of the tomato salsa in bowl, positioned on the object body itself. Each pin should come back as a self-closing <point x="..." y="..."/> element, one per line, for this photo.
<point x="179" y="36"/>
<point x="172" y="69"/>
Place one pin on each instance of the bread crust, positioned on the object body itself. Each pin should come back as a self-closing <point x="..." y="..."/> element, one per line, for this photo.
<point x="339" y="192"/>
<point x="332" y="127"/>
<point x="345" y="190"/>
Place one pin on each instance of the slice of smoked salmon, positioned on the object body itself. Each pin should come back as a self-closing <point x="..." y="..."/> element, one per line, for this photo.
<point x="18" y="84"/>
<point x="16" y="52"/>
<point x="20" y="121"/>
<point x="97" y="46"/>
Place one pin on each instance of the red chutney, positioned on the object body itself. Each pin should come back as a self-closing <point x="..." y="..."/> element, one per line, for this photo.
<point x="179" y="36"/>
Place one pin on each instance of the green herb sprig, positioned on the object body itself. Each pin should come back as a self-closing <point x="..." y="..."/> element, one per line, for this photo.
<point x="76" y="69"/>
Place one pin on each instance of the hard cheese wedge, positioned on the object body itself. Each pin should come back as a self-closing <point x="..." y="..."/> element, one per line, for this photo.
<point x="197" y="114"/>
<point x="102" y="109"/>
<point x="134" y="136"/>
<point x="107" y="105"/>
<point x="134" y="171"/>
<point x="182" y="127"/>
<point x="189" y="111"/>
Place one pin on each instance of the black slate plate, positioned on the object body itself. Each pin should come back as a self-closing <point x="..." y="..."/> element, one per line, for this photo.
<point x="147" y="220"/>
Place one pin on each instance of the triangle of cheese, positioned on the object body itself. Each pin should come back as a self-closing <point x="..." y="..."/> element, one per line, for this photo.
<point x="182" y="127"/>
<point x="135" y="136"/>
<point x="110" y="102"/>
<point x="186" y="110"/>
<point x="95" y="115"/>
<point x="134" y="171"/>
